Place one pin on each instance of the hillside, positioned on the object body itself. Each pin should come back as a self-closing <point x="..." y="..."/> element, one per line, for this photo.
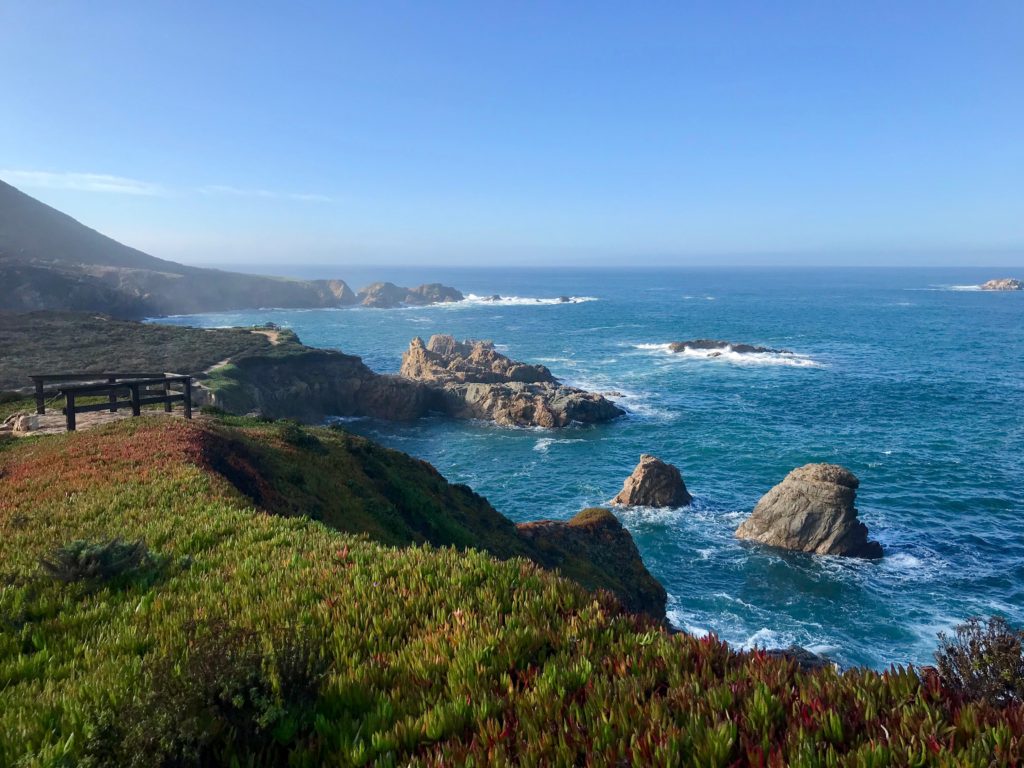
<point x="50" y="261"/>
<point x="248" y="635"/>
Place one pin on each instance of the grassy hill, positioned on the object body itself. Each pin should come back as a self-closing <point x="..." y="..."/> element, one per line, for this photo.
<point x="273" y="620"/>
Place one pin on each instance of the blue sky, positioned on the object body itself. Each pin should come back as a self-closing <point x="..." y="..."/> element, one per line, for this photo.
<point x="525" y="133"/>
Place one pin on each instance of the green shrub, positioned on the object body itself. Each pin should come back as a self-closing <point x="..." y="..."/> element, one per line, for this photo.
<point x="983" y="661"/>
<point x="292" y="433"/>
<point x="223" y="697"/>
<point x="96" y="562"/>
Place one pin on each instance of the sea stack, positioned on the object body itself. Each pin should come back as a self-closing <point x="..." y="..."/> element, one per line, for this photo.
<point x="1003" y="284"/>
<point x="653" y="484"/>
<point x="812" y="510"/>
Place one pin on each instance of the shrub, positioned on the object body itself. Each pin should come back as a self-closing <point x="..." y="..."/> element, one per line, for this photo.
<point x="222" y="699"/>
<point x="96" y="562"/>
<point x="983" y="661"/>
<point x="293" y="434"/>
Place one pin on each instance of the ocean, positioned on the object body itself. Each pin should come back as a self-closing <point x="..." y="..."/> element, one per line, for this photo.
<point x="907" y="377"/>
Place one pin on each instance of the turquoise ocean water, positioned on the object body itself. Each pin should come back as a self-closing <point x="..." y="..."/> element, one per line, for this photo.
<point x="906" y="377"/>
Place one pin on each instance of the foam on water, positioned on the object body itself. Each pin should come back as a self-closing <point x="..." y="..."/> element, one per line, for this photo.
<point x="523" y="301"/>
<point x="728" y="355"/>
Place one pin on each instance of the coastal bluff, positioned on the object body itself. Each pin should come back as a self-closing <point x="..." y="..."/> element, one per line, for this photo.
<point x="472" y="380"/>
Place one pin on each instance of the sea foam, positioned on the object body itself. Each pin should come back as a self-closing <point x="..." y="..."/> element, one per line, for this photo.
<point x="728" y="355"/>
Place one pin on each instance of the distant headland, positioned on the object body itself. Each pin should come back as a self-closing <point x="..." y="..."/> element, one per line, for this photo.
<point x="50" y="261"/>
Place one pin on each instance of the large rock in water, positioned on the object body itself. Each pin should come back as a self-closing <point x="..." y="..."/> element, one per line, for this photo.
<point x="1003" y="284"/>
<point x="597" y="539"/>
<point x="653" y="484"/>
<point x="472" y="380"/>
<point x="812" y="510"/>
<point x="389" y="295"/>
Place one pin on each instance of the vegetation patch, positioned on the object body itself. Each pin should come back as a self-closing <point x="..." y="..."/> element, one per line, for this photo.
<point x="97" y="562"/>
<point x="290" y="642"/>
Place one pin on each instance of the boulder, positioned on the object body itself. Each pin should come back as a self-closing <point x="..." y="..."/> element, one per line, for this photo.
<point x="812" y="510"/>
<point x="653" y="484"/>
<point x="24" y="422"/>
<point x="594" y="542"/>
<point x="1003" y="284"/>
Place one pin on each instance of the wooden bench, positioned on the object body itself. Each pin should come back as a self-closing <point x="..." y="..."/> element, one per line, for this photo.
<point x="137" y="387"/>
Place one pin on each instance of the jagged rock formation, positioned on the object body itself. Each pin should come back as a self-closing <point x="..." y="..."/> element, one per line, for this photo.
<point x="716" y="344"/>
<point x="812" y="510"/>
<point x="653" y="484"/>
<point x="596" y="538"/>
<point x="1003" y="284"/>
<point x="472" y="380"/>
<point x="389" y="295"/>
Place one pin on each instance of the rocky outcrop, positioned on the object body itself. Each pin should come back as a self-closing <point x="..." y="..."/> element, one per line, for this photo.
<point x="594" y="549"/>
<point x="812" y="510"/>
<point x="309" y="384"/>
<point x="472" y="380"/>
<point x="389" y="295"/>
<point x="653" y="484"/>
<point x="1003" y="284"/>
<point x="716" y="344"/>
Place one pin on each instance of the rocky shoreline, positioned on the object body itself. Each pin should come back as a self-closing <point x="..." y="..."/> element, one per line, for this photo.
<point x="472" y="380"/>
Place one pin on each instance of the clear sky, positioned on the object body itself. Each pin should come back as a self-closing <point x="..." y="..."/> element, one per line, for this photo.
<point x="524" y="133"/>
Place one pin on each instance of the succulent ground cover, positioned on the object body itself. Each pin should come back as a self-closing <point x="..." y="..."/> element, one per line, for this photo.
<point x="258" y="637"/>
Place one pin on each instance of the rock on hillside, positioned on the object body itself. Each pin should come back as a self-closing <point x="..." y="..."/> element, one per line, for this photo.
<point x="596" y="537"/>
<point x="653" y="484"/>
<point x="472" y="380"/>
<point x="812" y="510"/>
<point x="1003" y="284"/>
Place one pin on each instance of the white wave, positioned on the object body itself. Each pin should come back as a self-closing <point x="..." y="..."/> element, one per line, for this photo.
<point x="728" y="355"/>
<point x="543" y="445"/>
<point x="768" y="638"/>
<point x="523" y="301"/>
<point x="961" y="288"/>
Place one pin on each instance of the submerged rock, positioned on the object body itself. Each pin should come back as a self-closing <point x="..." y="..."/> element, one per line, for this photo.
<point x="596" y="537"/>
<point x="722" y="346"/>
<point x="653" y="484"/>
<point x="472" y="380"/>
<point x="1003" y="284"/>
<point x="807" y="661"/>
<point x="812" y="510"/>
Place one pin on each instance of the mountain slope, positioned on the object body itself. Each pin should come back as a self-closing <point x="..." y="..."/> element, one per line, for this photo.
<point x="48" y="260"/>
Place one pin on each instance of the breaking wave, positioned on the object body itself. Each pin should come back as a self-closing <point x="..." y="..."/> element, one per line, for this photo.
<point x="728" y="355"/>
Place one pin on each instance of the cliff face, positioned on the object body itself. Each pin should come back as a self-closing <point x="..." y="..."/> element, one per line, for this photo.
<point x="594" y="549"/>
<point x="308" y="384"/>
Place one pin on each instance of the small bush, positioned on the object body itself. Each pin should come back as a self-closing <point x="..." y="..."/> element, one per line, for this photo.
<point x="225" y="700"/>
<point x="96" y="562"/>
<point x="983" y="661"/>
<point x="293" y="434"/>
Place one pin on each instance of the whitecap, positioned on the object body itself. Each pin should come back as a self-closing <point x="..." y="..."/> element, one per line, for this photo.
<point x="523" y="301"/>
<point x="543" y="445"/>
<point x="728" y="355"/>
